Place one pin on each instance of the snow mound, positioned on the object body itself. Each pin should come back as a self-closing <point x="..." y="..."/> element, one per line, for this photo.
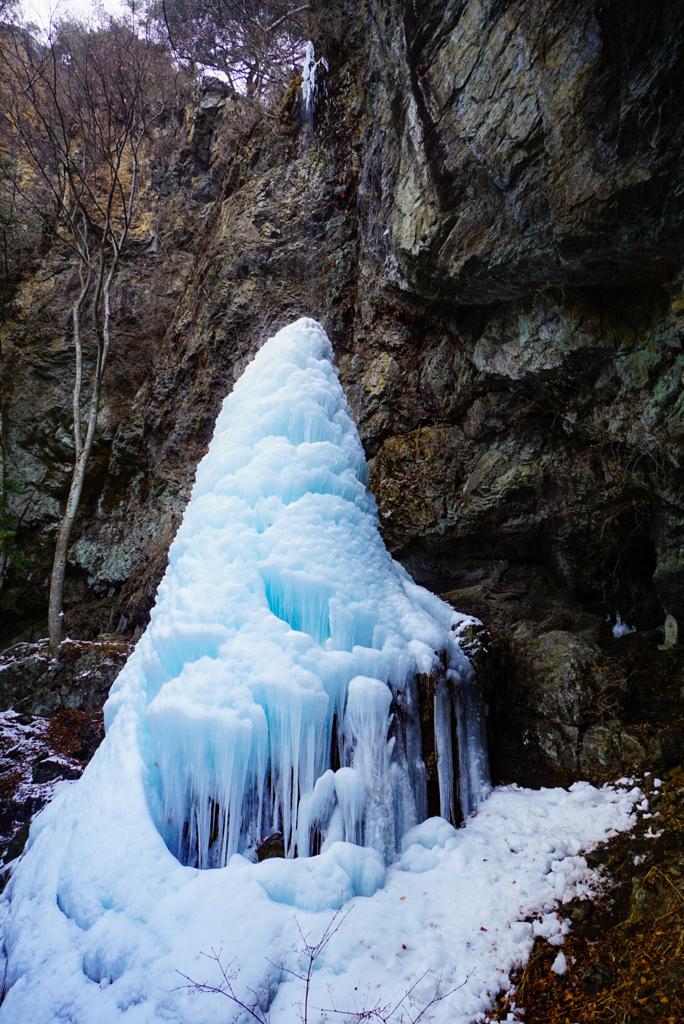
<point x="128" y="917"/>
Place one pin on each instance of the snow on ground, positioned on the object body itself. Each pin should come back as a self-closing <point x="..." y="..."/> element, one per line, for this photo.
<point x="23" y="742"/>
<point x="449" y="915"/>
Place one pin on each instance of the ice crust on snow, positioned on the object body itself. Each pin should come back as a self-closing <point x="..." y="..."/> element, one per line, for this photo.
<point x="283" y="626"/>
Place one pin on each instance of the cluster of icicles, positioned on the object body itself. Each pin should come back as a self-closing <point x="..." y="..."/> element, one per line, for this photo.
<point x="377" y="794"/>
<point x="292" y="670"/>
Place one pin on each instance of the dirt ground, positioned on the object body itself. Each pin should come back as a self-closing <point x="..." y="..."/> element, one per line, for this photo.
<point x="625" y="950"/>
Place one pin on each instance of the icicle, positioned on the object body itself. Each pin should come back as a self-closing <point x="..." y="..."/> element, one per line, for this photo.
<point x="309" y="68"/>
<point x="365" y="724"/>
<point x="473" y="768"/>
<point x="315" y="811"/>
<point x="473" y="762"/>
<point x="407" y="769"/>
<point x="350" y="790"/>
<point x="445" y="757"/>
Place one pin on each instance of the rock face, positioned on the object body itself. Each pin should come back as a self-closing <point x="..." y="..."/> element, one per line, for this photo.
<point x="52" y="729"/>
<point x="32" y="682"/>
<point x="488" y="222"/>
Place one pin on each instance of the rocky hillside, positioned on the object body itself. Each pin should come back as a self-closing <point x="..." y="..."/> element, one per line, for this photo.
<point x="486" y="215"/>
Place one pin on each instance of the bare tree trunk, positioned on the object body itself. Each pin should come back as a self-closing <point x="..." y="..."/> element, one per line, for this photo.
<point x="81" y="122"/>
<point x="55" y="613"/>
<point x="78" y="348"/>
<point x="82" y="454"/>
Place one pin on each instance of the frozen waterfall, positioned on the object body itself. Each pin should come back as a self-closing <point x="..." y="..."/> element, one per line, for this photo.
<point x="283" y="628"/>
<point x="293" y="678"/>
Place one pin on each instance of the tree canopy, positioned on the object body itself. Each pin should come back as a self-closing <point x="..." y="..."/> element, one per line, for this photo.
<point x="255" y="44"/>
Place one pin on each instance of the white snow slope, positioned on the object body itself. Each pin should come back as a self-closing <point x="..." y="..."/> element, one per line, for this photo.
<point x="280" y="610"/>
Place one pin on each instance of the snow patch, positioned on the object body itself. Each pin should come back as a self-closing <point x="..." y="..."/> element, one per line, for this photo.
<point x="560" y="964"/>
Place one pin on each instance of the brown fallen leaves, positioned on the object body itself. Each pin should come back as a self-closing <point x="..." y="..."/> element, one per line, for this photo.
<point x="626" y="956"/>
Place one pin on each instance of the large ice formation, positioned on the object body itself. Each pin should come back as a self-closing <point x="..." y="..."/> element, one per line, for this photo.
<point x="283" y="628"/>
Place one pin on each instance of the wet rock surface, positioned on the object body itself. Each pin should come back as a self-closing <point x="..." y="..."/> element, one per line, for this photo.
<point x="488" y="222"/>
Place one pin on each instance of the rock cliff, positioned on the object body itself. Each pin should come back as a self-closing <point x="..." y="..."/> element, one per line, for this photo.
<point x="486" y="215"/>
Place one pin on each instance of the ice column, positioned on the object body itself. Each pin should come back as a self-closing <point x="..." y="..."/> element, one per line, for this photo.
<point x="458" y="695"/>
<point x="309" y="68"/>
<point x="286" y="642"/>
<point x="366" y="722"/>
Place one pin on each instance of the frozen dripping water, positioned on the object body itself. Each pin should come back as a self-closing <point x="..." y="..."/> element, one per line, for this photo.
<point x="309" y="68"/>
<point x="282" y="620"/>
<point x="366" y="722"/>
<point x="621" y="628"/>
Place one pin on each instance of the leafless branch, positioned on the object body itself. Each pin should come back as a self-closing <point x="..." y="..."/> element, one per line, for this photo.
<point x="74" y="113"/>
<point x="225" y="987"/>
<point x="308" y="954"/>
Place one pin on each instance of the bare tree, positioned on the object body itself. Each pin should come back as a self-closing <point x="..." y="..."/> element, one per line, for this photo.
<point x="256" y="44"/>
<point x="77" y="110"/>
<point x="256" y="1004"/>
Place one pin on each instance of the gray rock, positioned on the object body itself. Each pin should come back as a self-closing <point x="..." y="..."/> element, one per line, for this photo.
<point x="556" y="668"/>
<point x="666" y="748"/>
<point x="49" y="769"/>
<point x="608" y="751"/>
